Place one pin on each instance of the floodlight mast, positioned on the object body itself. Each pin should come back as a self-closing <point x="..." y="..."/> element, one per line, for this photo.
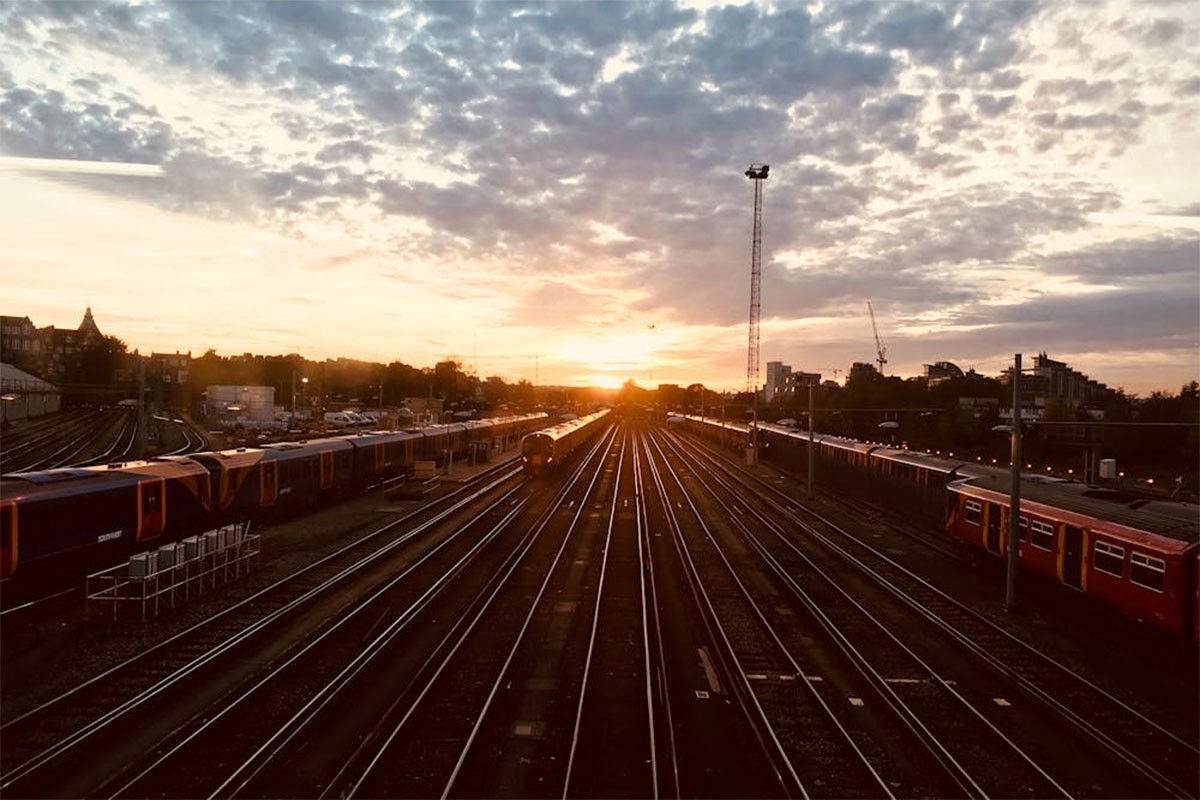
<point x="757" y="173"/>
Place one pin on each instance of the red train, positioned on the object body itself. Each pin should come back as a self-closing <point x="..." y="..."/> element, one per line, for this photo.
<point x="61" y="522"/>
<point x="1136" y="554"/>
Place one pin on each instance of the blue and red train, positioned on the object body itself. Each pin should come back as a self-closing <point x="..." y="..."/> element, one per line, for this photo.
<point x="1137" y="554"/>
<point x="545" y="450"/>
<point x="61" y="521"/>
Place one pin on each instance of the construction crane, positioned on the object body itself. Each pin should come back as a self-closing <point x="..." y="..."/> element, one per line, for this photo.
<point x="880" y="350"/>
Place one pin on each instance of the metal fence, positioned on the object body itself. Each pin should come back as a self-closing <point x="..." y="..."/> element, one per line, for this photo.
<point x="158" y="580"/>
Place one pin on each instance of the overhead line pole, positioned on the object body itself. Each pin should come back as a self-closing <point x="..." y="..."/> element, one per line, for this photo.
<point x="1014" y="501"/>
<point x="812" y="413"/>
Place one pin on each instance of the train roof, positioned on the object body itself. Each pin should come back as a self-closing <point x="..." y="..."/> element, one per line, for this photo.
<point x="240" y="457"/>
<point x="563" y="428"/>
<point x="719" y="423"/>
<point x="287" y="451"/>
<point x="842" y="443"/>
<point x="46" y="476"/>
<point x="775" y="427"/>
<point x="375" y="437"/>
<point x="1172" y="519"/>
<point x="178" y="467"/>
<point x="71" y="479"/>
<point x="918" y="458"/>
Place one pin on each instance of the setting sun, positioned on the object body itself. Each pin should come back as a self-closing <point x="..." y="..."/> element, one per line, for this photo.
<point x="606" y="381"/>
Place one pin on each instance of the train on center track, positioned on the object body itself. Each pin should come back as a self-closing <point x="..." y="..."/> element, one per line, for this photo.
<point x="60" y="522"/>
<point x="1137" y="554"/>
<point x="546" y="450"/>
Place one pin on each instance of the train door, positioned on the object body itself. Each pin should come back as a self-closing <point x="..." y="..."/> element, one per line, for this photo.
<point x="8" y="538"/>
<point x="1072" y="562"/>
<point x="268" y="482"/>
<point x="326" y="469"/>
<point x="152" y="508"/>
<point x="993" y="528"/>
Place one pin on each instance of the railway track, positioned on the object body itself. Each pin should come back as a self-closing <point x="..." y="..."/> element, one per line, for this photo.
<point x="657" y="622"/>
<point x="86" y="438"/>
<point x="809" y="741"/>
<point x="61" y="442"/>
<point x="1150" y="759"/>
<point x="138" y="694"/>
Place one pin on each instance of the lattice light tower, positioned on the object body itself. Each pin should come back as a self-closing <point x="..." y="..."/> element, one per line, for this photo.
<point x="757" y="173"/>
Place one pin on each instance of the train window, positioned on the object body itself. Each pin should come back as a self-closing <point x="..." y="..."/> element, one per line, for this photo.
<point x="1043" y="535"/>
<point x="1147" y="571"/>
<point x="1109" y="558"/>
<point x="972" y="513"/>
<point x="1024" y="525"/>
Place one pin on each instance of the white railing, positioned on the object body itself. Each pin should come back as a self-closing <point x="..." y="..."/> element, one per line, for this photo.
<point x="158" y="580"/>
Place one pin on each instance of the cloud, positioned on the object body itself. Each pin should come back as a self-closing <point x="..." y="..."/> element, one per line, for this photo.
<point x="917" y="149"/>
<point x="46" y="124"/>
<point x="1169" y="260"/>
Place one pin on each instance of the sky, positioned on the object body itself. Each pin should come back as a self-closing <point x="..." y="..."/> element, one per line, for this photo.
<point x="557" y="192"/>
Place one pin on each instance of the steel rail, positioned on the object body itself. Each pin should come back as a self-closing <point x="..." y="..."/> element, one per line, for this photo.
<point x="601" y="446"/>
<point x="515" y="559"/>
<point x="304" y="717"/>
<point x="591" y="648"/>
<point x="84" y="427"/>
<point x="95" y="726"/>
<point x="910" y="718"/>
<point x="46" y="433"/>
<point x="187" y="441"/>
<point x="1012" y="639"/>
<point x="783" y="648"/>
<point x="649" y="598"/>
<point x="1028" y="686"/>
<point x="775" y="752"/>
<point x="98" y="439"/>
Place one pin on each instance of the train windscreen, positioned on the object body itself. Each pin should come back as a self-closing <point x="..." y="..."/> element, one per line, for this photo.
<point x="536" y="444"/>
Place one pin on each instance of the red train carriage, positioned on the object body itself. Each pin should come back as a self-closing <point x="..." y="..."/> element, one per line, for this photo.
<point x="1139" y="557"/>
<point x="95" y="515"/>
<point x="277" y="478"/>
<point x="60" y="521"/>
<point x="379" y="455"/>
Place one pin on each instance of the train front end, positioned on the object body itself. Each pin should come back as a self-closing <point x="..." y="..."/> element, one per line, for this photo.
<point x="537" y="453"/>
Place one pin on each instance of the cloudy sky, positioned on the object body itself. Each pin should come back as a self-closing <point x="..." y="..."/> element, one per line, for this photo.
<point x="558" y="192"/>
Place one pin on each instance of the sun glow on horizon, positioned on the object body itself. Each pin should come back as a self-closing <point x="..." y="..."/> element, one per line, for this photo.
<point x="606" y="381"/>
